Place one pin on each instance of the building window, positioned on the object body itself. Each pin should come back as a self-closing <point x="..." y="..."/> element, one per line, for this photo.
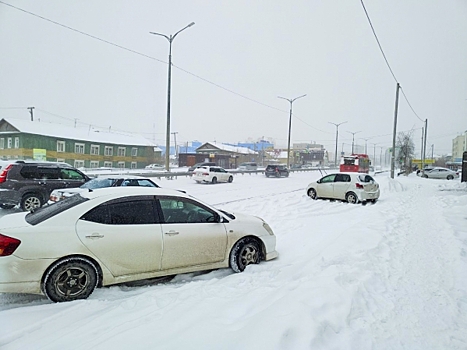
<point x="79" y="148"/>
<point x="133" y="165"/>
<point x="2" y="143"/>
<point x="16" y="142"/>
<point x="134" y="152"/>
<point x="109" y="151"/>
<point x="94" y="164"/>
<point x="121" y="165"/>
<point x="79" y="164"/>
<point x="60" y="146"/>
<point x="10" y="141"/>
<point x="107" y="164"/>
<point x="95" y="150"/>
<point x="121" y="151"/>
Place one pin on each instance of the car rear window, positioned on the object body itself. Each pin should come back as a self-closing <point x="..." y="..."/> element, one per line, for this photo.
<point x="365" y="178"/>
<point x="41" y="214"/>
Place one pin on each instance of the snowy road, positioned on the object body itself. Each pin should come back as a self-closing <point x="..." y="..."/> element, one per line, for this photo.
<point x="385" y="276"/>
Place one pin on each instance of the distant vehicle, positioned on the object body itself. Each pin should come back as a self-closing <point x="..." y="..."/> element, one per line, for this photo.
<point x="154" y="166"/>
<point x="113" y="235"/>
<point x="441" y="173"/>
<point x="296" y="166"/>
<point x="359" y="163"/>
<point x="197" y="165"/>
<point x="248" y="166"/>
<point x="427" y="168"/>
<point x="211" y="174"/>
<point x="101" y="182"/>
<point x="351" y="187"/>
<point x="276" y="170"/>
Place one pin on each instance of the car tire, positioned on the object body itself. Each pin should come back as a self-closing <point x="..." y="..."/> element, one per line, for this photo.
<point x="351" y="198"/>
<point x="312" y="193"/>
<point x="70" y="279"/>
<point x="245" y="252"/>
<point x="286" y="174"/>
<point x="31" y="201"/>
<point x="230" y="178"/>
<point x="214" y="180"/>
<point x="450" y="177"/>
<point x="7" y="206"/>
<point x="425" y="176"/>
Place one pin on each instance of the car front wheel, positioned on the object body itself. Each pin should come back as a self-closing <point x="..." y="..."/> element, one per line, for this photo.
<point x="30" y="202"/>
<point x="214" y="180"/>
<point x="245" y="252"/>
<point x="312" y="193"/>
<point x="450" y="177"/>
<point x="70" y="280"/>
<point x="230" y="178"/>
<point x="351" y="198"/>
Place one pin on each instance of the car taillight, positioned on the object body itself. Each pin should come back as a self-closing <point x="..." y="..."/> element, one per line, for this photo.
<point x="359" y="185"/>
<point x="8" y="245"/>
<point x="4" y="173"/>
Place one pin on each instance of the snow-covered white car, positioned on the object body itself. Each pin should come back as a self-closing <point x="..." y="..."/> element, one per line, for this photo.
<point x="351" y="187"/>
<point x="121" y="234"/>
<point x="101" y="182"/>
<point x="155" y="166"/>
<point x="440" y="173"/>
<point x="212" y="174"/>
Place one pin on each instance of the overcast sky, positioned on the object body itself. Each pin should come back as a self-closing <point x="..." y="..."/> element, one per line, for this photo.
<point x="232" y="64"/>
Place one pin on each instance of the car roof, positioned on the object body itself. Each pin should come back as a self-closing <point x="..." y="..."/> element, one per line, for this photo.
<point x="116" y="192"/>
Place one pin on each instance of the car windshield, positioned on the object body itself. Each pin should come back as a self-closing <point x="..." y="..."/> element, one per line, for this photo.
<point x="41" y="214"/>
<point x="99" y="183"/>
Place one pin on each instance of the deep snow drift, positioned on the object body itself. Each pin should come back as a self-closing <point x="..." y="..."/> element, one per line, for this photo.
<point x="392" y="275"/>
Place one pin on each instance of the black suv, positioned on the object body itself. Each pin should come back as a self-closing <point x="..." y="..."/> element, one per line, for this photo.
<point x="29" y="183"/>
<point x="276" y="171"/>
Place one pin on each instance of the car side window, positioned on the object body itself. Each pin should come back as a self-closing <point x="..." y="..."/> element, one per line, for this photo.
<point x="146" y="183"/>
<point x="342" y="178"/>
<point x="71" y="174"/>
<point x="50" y="173"/>
<point x="183" y="211"/>
<point x="127" y="212"/>
<point x="329" y="178"/>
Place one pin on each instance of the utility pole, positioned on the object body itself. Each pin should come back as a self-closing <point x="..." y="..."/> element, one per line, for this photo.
<point x="337" y="137"/>
<point x="424" y="148"/>
<point x="175" y="142"/>
<point x="366" y="142"/>
<point x="393" y="153"/>
<point x="353" y="137"/>
<point x="31" y="112"/>
<point x="432" y="153"/>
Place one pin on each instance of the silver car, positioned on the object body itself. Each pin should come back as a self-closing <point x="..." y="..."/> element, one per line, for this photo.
<point x="441" y="173"/>
<point x="351" y="187"/>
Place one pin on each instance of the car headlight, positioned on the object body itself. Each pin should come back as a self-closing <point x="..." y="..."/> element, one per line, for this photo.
<point x="268" y="228"/>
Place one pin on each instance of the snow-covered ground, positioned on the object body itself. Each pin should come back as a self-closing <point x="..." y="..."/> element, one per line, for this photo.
<point x="392" y="275"/>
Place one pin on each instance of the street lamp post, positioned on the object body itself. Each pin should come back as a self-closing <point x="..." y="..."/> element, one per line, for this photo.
<point x="290" y="124"/>
<point x="353" y="137"/>
<point x="167" y="136"/>
<point x="337" y="136"/>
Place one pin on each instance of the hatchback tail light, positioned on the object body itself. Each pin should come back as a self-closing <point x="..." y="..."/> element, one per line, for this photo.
<point x="4" y="173"/>
<point x="359" y="185"/>
<point x="8" y="245"/>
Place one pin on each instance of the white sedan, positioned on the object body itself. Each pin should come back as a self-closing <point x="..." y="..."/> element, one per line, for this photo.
<point x="115" y="235"/>
<point x="351" y="187"/>
<point x="212" y="174"/>
<point x="440" y="173"/>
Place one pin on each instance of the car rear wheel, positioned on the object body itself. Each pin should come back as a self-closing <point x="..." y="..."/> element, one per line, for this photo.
<point x="450" y="177"/>
<point x="425" y="176"/>
<point x="312" y="193"/>
<point x="70" y="279"/>
<point x="245" y="252"/>
<point x="351" y="198"/>
<point x="230" y="178"/>
<point x="214" y="180"/>
<point x="30" y="202"/>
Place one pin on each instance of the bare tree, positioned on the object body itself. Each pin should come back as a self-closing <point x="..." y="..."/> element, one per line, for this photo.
<point x="405" y="150"/>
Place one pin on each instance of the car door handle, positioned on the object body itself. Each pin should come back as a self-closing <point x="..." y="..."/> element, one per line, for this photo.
<point x="95" y="236"/>
<point x="172" y="233"/>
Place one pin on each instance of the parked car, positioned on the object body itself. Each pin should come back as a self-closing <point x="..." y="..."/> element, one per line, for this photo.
<point x="155" y="166"/>
<point x="212" y="174"/>
<point x="441" y="173"/>
<point x="29" y="183"/>
<point x="248" y="166"/>
<point x="197" y="165"/>
<point x="101" y="182"/>
<point x="296" y="166"/>
<point x="276" y="170"/>
<point x="115" y="235"/>
<point x="427" y="168"/>
<point x="351" y="187"/>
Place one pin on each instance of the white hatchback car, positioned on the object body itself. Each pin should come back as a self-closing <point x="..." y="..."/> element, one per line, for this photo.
<point x="211" y="174"/>
<point x="121" y="234"/>
<point x="351" y="187"/>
